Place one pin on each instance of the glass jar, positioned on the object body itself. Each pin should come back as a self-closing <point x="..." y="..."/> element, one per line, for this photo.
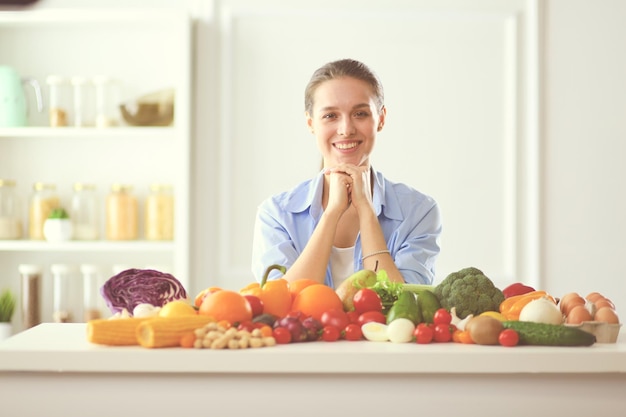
<point x="43" y="200"/>
<point x="122" y="218"/>
<point x="84" y="212"/>
<point x="62" y="309"/>
<point x="60" y="96"/>
<point x="159" y="213"/>
<point x="84" y="102"/>
<point x="91" y="308"/>
<point x="107" y="101"/>
<point x="10" y="211"/>
<point x="30" y="295"/>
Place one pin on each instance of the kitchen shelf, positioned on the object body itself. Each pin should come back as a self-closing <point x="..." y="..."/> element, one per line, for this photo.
<point x="85" y="246"/>
<point x="146" y="50"/>
<point x="89" y="132"/>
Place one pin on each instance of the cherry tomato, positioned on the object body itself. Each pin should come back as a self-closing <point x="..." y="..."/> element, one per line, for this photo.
<point x="282" y="335"/>
<point x="353" y="316"/>
<point x="246" y="325"/>
<point x="423" y="334"/>
<point x="330" y="333"/>
<point x="353" y="332"/>
<point x="442" y="333"/>
<point x="366" y="299"/>
<point x="442" y="316"/>
<point x="256" y="304"/>
<point x="335" y="317"/>
<point x="368" y="316"/>
<point x="508" y="338"/>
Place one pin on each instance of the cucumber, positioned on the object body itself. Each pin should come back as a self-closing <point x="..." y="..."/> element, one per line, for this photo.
<point x="543" y="334"/>
<point x="429" y="304"/>
<point x="405" y="306"/>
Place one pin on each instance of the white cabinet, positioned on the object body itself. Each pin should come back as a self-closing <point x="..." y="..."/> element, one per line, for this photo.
<point x="147" y="51"/>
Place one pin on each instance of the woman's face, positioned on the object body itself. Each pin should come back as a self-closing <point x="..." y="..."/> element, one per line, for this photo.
<point x="345" y="121"/>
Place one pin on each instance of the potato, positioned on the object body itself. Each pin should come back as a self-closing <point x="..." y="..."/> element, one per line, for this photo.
<point x="484" y="330"/>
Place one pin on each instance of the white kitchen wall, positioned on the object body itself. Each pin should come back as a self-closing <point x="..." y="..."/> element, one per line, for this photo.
<point x="580" y="175"/>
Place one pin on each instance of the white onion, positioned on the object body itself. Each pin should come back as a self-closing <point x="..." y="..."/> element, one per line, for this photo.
<point x="541" y="310"/>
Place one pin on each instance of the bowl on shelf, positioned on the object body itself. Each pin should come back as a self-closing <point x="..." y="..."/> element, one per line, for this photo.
<point x="154" y="109"/>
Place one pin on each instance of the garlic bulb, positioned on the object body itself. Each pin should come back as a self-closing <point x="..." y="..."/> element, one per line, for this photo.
<point x="541" y="310"/>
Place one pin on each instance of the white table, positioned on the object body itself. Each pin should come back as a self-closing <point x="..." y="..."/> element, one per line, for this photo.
<point x="51" y="370"/>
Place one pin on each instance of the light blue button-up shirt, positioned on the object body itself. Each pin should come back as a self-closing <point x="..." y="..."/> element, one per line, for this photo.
<point x="410" y="221"/>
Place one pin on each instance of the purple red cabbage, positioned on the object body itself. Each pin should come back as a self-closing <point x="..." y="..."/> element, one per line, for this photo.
<point x="136" y="286"/>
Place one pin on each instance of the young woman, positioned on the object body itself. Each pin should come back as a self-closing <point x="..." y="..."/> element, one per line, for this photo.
<point x="349" y="216"/>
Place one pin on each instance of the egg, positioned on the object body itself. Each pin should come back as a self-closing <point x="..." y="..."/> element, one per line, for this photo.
<point x="607" y="315"/>
<point x="604" y="302"/>
<point x="593" y="296"/>
<point x="569" y="301"/>
<point x="578" y="314"/>
<point x="375" y="332"/>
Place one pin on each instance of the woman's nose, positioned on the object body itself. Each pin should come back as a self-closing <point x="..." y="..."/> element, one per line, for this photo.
<point x="346" y="127"/>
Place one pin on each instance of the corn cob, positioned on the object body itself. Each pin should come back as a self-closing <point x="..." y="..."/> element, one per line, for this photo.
<point x="114" y="332"/>
<point x="166" y="331"/>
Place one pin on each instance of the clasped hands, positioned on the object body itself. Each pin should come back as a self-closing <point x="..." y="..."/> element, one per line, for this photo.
<point x="349" y="185"/>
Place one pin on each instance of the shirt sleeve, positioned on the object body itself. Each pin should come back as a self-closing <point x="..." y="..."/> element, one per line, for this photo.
<point x="271" y="243"/>
<point x="419" y="245"/>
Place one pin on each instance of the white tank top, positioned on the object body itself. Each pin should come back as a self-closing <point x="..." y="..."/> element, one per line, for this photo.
<point x="341" y="264"/>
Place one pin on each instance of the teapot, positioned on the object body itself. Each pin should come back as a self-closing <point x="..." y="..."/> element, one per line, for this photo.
<point x="13" y="103"/>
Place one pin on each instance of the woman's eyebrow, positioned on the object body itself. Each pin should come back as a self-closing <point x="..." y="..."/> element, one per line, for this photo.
<point x="357" y="106"/>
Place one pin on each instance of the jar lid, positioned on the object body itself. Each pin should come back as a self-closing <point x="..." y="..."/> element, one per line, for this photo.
<point x="89" y="268"/>
<point x="121" y="187"/>
<point x="7" y="183"/>
<point x="61" y="268"/>
<point x="56" y="79"/>
<point x="38" y="186"/>
<point x="29" y="269"/>
<point x="84" y="186"/>
<point x="160" y="187"/>
<point x="78" y="80"/>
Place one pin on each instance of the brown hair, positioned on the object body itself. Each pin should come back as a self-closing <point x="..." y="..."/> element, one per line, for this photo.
<point x="343" y="68"/>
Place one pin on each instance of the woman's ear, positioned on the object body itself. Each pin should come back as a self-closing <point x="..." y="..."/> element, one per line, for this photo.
<point x="309" y="121"/>
<point x="381" y="118"/>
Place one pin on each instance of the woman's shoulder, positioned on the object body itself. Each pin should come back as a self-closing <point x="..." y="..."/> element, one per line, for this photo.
<point x="404" y="192"/>
<point x="294" y="199"/>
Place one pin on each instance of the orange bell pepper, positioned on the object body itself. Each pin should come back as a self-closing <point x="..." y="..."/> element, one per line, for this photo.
<point x="274" y="294"/>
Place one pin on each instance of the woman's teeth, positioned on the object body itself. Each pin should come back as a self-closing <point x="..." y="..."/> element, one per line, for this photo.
<point x="346" y="145"/>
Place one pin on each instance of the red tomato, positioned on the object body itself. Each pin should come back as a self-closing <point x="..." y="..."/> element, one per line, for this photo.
<point x="442" y="316"/>
<point x="282" y="335"/>
<point x="423" y="334"/>
<point x="330" y="333"/>
<point x="442" y="333"/>
<point x="368" y="316"/>
<point x="353" y="316"/>
<point x="256" y="304"/>
<point x="335" y="317"/>
<point x="353" y="332"/>
<point x="246" y="325"/>
<point x="508" y="338"/>
<point x="367" y="299"/>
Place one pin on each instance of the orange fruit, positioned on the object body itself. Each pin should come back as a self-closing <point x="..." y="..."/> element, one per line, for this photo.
<point x="316" y="299"/>
<point x="177" y="308"/>
<point x="204" y="293"/>
<point x="226" y="305"/>
<point x="298" y="285"/>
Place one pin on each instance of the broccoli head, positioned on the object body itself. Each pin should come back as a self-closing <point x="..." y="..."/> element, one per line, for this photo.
<point x="470" y="291"/>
